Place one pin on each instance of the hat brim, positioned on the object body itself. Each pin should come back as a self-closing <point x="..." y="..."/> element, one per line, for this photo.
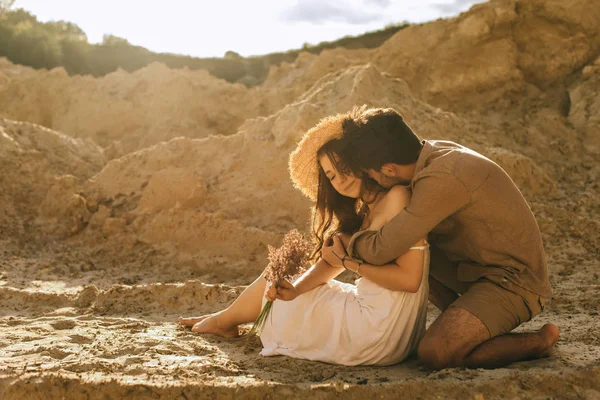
<point x="303" y="163"/>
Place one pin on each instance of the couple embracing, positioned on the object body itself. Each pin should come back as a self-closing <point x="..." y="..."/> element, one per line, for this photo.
<point x="417" y="220"/>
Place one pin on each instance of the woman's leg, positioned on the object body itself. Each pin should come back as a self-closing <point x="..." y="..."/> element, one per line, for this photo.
<point x="244" y="309"/>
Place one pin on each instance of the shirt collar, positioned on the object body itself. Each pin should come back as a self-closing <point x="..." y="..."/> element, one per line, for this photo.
<point x="423" y="156"/>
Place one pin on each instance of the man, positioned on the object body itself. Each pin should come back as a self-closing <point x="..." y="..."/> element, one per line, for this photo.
<point x="488" y="271"/>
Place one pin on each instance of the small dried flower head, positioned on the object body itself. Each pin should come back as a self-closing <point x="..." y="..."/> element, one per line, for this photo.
<point x="289" y="260"/>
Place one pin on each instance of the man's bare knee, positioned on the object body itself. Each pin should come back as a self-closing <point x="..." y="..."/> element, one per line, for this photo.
<point x="450" y="339"/>
<point x="431" y="354"/>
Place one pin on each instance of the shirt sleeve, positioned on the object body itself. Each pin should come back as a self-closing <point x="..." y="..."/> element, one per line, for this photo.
<point x="435" y="197"/>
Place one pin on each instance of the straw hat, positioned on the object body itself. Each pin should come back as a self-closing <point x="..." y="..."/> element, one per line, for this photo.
<point x="303" y="163"/>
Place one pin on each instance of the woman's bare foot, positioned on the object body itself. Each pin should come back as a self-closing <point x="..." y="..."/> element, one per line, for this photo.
<point x="191" y="321"/>
<point x="213" y="324"/>
<point x="549" y="336"/>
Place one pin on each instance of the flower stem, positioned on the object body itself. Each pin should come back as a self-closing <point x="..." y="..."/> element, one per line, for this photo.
<point x="262" y="319"/>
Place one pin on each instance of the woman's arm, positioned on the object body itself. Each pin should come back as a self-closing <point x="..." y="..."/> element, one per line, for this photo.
<point x="317" y="275"/>
<point x="405" y="274"/>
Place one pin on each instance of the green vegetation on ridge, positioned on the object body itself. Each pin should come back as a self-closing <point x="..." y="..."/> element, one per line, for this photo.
<point x="25" y="40"/>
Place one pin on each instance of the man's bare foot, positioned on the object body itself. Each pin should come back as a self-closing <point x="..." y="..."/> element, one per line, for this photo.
<point x="212" y="324"/>
<point x="191" y="321"/>
<point x="549" y="336"/>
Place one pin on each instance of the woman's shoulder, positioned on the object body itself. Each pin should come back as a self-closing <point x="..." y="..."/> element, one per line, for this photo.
<point x="394" y="201"/>
<point x="397" y="195"/>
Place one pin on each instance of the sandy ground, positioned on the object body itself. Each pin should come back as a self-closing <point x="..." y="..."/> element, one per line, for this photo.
<point x="66" y="337"/>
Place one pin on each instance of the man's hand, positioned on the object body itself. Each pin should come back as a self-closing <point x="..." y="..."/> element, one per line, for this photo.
<point x="345" y="239"/>
<point x="333" y="251"/>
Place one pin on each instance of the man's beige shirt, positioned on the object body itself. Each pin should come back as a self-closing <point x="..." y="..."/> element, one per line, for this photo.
<point x="471" y="209"/>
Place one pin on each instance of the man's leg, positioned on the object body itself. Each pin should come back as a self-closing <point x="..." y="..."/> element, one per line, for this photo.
<point x="444" y="286"/>
<point x="506" y="349"/>
<point x="440" y="295"/>
<point x="473" y="332"/>
<point x="458" y="338"/>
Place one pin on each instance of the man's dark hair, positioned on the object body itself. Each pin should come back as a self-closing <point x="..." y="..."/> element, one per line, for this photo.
<point x="379" y="136"/>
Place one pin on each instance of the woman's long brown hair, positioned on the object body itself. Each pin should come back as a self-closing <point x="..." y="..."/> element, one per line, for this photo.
<point x="334" y="213"/>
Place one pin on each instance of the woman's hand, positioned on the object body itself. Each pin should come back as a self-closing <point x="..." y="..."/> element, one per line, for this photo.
<point x="286" y="292"/>
<point x="333" y="251"/>
<point x="271" y="294"/>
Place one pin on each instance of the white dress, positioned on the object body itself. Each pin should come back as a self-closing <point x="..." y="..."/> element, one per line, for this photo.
<point x="341" y="323"/>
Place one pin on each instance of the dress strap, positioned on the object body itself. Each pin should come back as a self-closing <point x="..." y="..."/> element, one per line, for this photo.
<point x="424" y="247"/>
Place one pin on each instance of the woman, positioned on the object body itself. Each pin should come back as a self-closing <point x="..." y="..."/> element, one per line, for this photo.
<point x="378" y="321"/>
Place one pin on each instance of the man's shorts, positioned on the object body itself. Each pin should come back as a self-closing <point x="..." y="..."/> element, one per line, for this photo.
<point x="499" y="303"/>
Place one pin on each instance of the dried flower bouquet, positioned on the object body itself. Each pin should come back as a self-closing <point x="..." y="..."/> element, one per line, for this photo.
<point x="287" y="262"/>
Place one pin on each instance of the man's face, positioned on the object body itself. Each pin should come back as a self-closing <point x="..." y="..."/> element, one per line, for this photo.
<point x="386" y="180"/>
<point x="381" y="178"/>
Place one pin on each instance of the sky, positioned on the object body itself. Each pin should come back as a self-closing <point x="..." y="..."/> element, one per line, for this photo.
<point x="204" y="28"/>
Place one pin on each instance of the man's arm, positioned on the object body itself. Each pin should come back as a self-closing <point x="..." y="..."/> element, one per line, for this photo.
<point x="435" y="197"/>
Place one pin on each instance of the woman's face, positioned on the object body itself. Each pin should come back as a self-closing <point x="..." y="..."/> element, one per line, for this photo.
<point x="346" y="185"/>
